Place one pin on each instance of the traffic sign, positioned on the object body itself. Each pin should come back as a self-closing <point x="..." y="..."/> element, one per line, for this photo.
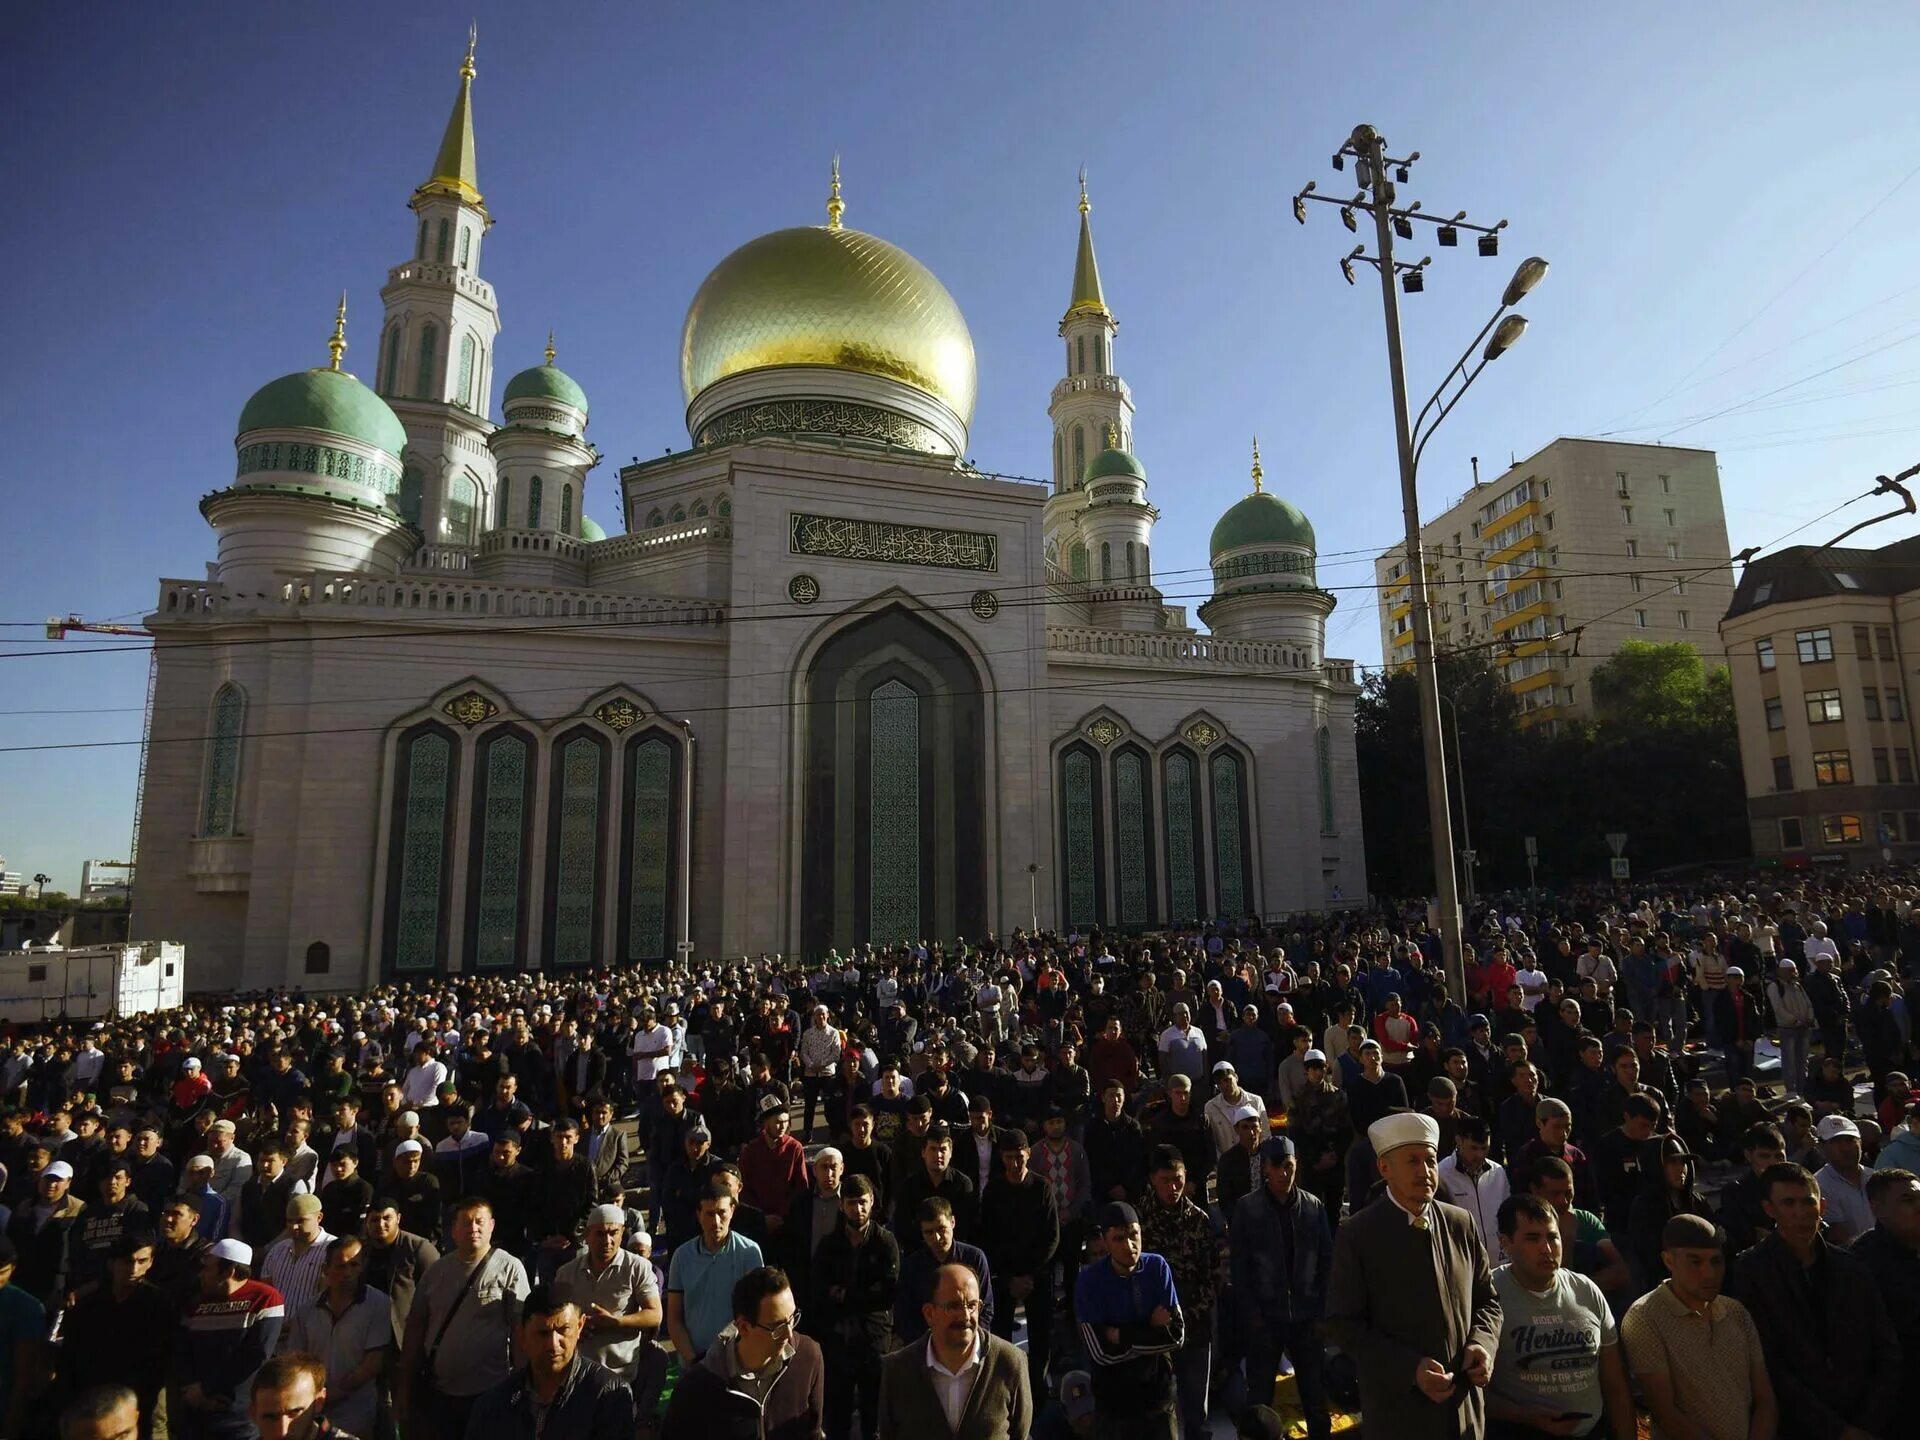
<point x="1617" y="841"/>
<point x="1622" y="868"/>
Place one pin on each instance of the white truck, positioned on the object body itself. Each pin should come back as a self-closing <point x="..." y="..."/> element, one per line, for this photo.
<point x="96" y="982"/>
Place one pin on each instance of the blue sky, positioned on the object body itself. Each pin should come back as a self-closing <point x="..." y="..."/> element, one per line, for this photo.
<point x="1719" y="189"/>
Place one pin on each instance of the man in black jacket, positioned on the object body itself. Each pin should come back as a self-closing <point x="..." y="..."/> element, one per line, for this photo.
<point x="1116" y="1148"/>
<point x="510" y="1189"/>
<point x="1891" y="1251"/>
<point x="1830" y="1348"/>
<point x="856" y="1276"/>
<point x="934" y="1176"/>
<point x="1020" y="1231"/>
<point x="558" y="1391"/>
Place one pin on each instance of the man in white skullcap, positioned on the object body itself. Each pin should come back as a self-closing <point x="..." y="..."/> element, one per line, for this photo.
<point x="616" y="1291"/>
<point x="1411" y="1296"/>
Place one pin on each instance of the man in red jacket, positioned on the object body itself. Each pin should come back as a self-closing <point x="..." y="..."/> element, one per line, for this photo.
<point x="773" y="1167"/>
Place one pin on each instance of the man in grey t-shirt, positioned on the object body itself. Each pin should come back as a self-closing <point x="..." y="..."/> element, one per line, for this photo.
<point x="1559" y="1370"/>
<point x="460" y="1330"/>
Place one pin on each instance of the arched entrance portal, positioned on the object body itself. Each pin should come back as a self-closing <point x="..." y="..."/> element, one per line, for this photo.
<point x="895" y="787"/>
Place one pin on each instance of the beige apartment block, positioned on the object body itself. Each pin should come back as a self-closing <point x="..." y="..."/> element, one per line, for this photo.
<point x="1816" y="639"/>
<point x="1573" y="551"/>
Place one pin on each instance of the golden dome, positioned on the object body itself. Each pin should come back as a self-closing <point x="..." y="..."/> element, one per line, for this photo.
<point x="830" y="297"/>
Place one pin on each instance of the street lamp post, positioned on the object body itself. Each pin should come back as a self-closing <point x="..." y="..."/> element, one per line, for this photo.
<point x="1376" y="174"/>
<point x="1033" y="894"/>
<point x="1466" y="827"/>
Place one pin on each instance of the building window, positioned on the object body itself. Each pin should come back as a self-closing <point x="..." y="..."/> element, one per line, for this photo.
<point x="1847" y="579"/>
<point x="1640" y="618"/>
<point x="1081" y="836"/>
<point x="1895" y="710"/>
<point x="1620" y="477"/>
<point x="1230" y="848"/>
<point x="1790" y="834"/>
<point x="463" y="394"/>
<point x="429" y="353"/>
<point x="1679" y="587"/>
<point x="1080" y="354"/>
<point x="1181" y="800"/>
<point x="502" y="514"/>
<point x="319" y="958"/>
<point x="1884" y="634"/>
<point x="566" y="509"/>
<point x="1776" y="714"/>
<point x="575" y="836"/>
<point x="220" y="797"/>
<point x="413" y="491"/>
<point x="1764" y="649"/>
<point x="1863" y="642"/>
<point x="1832" y="767"/>
<point x="420" y="251"/>
<point x="1882" y="766"/>
<point x="1910" y="822"/>
<point x="1323" y="761"/>
<point x="443" y="242"/>
<point x="1903" y="766"/>
<point x="1666" y="484"/>
<point x="423" y="823"/>
<point x="497" y="875"/>
<point x="1106" y="561"/>
<point x="1626" y="514"/>
<point x="1823" y="707"/>
<point x="1548" y="517"/>
<point x="1633" y="549"/>
<point x="463" y="505"/>
<point x="533" y="503"/>
<point x="1673" y="549"/>
<point x="466" y="246"/>
<point x="1669" y="515"/>
<point x="1783" y="772"/>
<point x="1870" y="699"/>
<point x="1813" y="645"/>
<point x="1840" y="829"/>
<point x="1685" y="623"/>
<point x="1635" y="583"/>
<point x="1132" y="838"/>
<point x="650" y="864"/>
<point x="390" y="369"/>
<point x="1079" y="454"/>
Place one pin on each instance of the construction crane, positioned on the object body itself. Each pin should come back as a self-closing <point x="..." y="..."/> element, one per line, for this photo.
<point x="57" y="629"/>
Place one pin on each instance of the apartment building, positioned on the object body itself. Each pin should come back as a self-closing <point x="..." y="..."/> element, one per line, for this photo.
<point x="1618" y="541"/>
<point x="1816" y="640"/>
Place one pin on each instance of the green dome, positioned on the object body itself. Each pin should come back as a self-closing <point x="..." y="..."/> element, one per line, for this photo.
<point x="1115" y="462"/>
<point x="546" y="382"/>
<point x="590" y="529"/>
<point x="329" y="400"/>
<point x="1261" y="519"/>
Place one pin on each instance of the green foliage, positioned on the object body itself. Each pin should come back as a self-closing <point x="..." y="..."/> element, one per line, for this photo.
<point x="1660" y="762"/>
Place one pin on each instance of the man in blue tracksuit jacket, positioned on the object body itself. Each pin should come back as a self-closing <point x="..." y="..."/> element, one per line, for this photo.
<point x="1130" y="1322"/>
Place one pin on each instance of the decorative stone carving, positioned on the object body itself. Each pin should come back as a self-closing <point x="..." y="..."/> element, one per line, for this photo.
<point x="848" y="539"/>
<point x="821" y="417"/>
<point x="470" y="708"/>
<point x="984" y="604"/>
<point x="803" y="589"/>
<point x="620" y="715"/>
<point x="1106" y="730"/>
<point x="1202" y="733"/>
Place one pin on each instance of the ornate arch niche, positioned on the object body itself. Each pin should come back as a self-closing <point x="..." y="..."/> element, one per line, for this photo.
<point x="893" y="787"/>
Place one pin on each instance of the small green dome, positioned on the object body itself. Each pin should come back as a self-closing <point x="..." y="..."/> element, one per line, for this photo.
<point x="329" y="400"/>
<point x="1261" y="519"/>
<point x="590" y="529"/>
<point x="546" y="382"/>
<point x="1115" y="462"/>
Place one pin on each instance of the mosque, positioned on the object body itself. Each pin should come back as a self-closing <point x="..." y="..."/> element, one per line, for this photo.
<point x="832" y="685"/>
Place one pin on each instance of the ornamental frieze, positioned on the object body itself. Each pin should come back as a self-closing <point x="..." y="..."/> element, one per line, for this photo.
<point x="848" y="539"/>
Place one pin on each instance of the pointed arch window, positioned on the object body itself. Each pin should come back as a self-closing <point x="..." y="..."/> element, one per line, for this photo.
<point x="1132" y="574"/>
<point x="412" y="486"/>
<point x="1180" y="802"/>
<point x="1146" y="565"/>
<point x="418" y="864"/>
<point x="1082" y="836"/>
<point x="1323" y="764"/>
<point x="566" y="509"/>
<point x="1100" y="354"/>
<point x="466" y="246"/>
<point x="533" y="503"/>
<point x="1077" y="561"/>
<point x="420" y="250"/>
<point x="575" y="844"/>
<point x="1132" y="837"/>
<point x="390" y="367"/>
<point x="650" y="860"/>
<point x="501" y="839"/>
<point x="677" y="514"/>
<point x="220" y="803"/>
<point x="503" y="511"/>
<point x="443" y="242"/>
<point x="429" y="352"/>
<point x="463" y="506"/>
<point x="463" y="395"/>
<point x="1079" y="454"/>
<point x="1106" y="560"/>
<point x="1059" y="461"/>
<point x="893" y="800"/>
<point x="1080" y="354"/>
<point x="1231" y="880"/>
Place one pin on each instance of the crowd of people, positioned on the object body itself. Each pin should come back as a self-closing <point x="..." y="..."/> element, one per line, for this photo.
<point x="1628" y="1168"/>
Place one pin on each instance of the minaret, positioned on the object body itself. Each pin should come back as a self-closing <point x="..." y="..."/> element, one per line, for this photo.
<point x="1092" y="398"/>
<point x="436" y="346"/>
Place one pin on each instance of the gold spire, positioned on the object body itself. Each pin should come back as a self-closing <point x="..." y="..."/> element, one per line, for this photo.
<point x="1087" y="297"/>
<point x="836" y="207"/>
<point x="1258" y="473"/>
<point x="337" y="343"/>
<point x="549" y="347"/>
<point x="454" y="171"/>
<point x="1113" y="436"/>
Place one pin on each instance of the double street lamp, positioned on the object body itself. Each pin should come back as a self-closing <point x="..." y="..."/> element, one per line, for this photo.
<point x="1376" y="174"/>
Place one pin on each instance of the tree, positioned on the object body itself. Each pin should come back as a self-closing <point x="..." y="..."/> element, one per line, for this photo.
<point x="1647" y="689"/>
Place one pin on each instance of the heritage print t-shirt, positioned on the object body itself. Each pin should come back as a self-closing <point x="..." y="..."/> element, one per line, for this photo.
<point x="1550" y="1345"/>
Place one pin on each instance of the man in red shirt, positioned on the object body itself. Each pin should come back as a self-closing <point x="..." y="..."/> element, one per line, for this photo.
<point x="773" y="1167"/>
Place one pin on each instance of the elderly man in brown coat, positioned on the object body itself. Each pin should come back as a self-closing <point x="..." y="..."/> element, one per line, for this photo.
<point x="958" y="1381"/>
<point x="1411" y="1297"/>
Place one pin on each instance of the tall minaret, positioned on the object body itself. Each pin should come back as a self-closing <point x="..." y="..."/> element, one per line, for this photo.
<point x="1091" y="400"/>
<point x="436" y="346"/>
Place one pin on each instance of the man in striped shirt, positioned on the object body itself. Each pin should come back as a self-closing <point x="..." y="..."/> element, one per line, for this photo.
<point x="295" y="1264"/>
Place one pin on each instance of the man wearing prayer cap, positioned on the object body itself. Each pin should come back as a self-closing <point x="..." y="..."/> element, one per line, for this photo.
<point x="1411" y="1296"/>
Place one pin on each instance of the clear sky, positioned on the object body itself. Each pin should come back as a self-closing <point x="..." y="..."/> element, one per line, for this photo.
<point x="1727" y="194"/>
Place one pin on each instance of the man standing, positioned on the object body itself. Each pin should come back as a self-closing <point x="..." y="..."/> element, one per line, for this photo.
<point x="1474" y="1183"/>
<point x="920" y="1270"/>
<point x="1181" y="1047"/>
<point x="293" y="1264"/>
<point x="820" y="1047"/>
<point x="1175" y="1228"/>
<point x="773" y="1167"/>
<point x="1695" y="1351"/>
<point x="1830" y="1348"/>
<point x="460" y="1330"/>
<point x="855" y="1278"/>
<point x="349" y="1329"/>
<point x="394" y="1260"/>
<point x="1020" y="1231"/>
<point x="232" y="1166"/>
<point x="617" y="1296"/>
<point x="114" y="1334"/>
<point x="224" y="1337"/>
<point x="934" y="1178"/>
<point x="1229" y="1098"/>
<point x="1282" y="1246"/>
<point x="760" y="1377"/>
<point x="1892" y="1251"/>
<point x="289" y="1402"/>
<point x="558" y="1392"/>
<point x="958" y="1380"/>
<point x="1559" y="1364"/>
<point x="701" y="1275"/>
<point x="1411" y="1297"/>
<point x="1843" y="1179"/>
<point x="1132" y="1326"/>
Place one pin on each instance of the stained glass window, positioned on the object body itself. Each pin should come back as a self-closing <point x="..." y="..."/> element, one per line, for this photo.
<point x="423" y="851"/>
<point x="1059" y="461"/>
<point x="894" y="797"/>
<point x="533" y="503"/>
<point x="221" y="802"/>
<point x="1083" y="859"/>
<point x="1323" y="761"/>
<point x="503" y="513"/>
<point x="464" y="394"/>
<point x="502" y="842"/>
<point x="566" y="509"/>
<point x="1077" y="561"/>
<point x="1229" y="836"/>
<point x="651" y="816"/>
<point x="412" y="485"/>
<point x="463" y="500"/>
<point x="466" y="245"/>
<point x="429" y="351"/>
<point x="1079" y="454"/>
<point x="576" y="861"/>
<point x="442" y="243"/>
<point x="1177" y="778"/>
<point x="1106" y="560"/>
<point x="1130" y="835"/>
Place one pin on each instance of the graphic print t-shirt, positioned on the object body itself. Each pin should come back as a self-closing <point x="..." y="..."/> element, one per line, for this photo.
<point x="1550" y="1345"/>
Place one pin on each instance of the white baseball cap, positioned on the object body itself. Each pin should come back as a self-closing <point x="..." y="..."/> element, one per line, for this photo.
<point x="1832" y="1126"/>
